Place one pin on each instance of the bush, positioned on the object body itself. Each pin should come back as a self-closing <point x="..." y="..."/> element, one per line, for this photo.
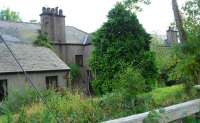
<point x="120" y="42"/>
<point x="129" y="82"/>
<point x="42" y="41"/>
<point x="75" y="73"/>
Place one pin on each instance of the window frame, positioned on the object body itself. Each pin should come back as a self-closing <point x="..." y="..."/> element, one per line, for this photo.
<point x="49" y="82"/>
<point x="79" y="60"/>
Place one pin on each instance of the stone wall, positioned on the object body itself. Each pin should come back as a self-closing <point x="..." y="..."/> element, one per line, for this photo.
<point x="67" y="53"/>
<point x="18" y="81"/>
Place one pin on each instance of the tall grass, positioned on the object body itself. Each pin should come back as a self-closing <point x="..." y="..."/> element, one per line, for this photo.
<point x="66" y="107"/>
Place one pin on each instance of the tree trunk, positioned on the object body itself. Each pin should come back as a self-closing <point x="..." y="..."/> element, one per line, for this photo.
<point x="178" y="20"/>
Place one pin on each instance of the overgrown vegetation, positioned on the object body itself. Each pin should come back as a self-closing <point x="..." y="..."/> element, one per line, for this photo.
<point x="120" y="43"/>
<point x="67" y="107"/>
<point x="43" y="41"/>
<point x="131" y="72"/>
<point x="75" y="74"/>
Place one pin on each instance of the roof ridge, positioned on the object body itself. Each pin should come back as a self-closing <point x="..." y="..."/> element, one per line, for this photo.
<point x="19" y="22"/>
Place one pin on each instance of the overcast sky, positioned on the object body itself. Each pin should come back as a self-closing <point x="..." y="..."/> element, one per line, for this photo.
<point x="89" y="15"/>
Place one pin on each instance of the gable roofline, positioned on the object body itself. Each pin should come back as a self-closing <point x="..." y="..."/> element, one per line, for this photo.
<point x="27" y="31"/>
<point x="59" y="43"/>
<point x="39" y="71"/>
<point x="22" y="22"/>
<point x="31" y="58"/>
<point x="78" y="29"/>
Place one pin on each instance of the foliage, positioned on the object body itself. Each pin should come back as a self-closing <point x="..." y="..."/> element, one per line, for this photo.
<point x="156" y="117"/>
<point x="119" y="43"/>
<point x="129" y="83"/>
<point x="165" y="61"/>
<point x="134" y="4"/>
<point x="171" y="95"/>
<point x="74" y="72"/>
<point x="9" y="15"/>
<point x="184" y="65"/>
<point x="67" y="107"/>
<point x="18" y="99"/>
<point x="42" y="41"/>
<point x="192" y="13"/>
<point x="163" y="55"/>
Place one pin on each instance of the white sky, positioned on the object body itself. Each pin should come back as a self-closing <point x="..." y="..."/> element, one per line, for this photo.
<point x="89" y="15"/>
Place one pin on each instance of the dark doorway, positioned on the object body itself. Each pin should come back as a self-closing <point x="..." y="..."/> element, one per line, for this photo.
<point x="51" y="82"/>
<point x="3" y="89"/>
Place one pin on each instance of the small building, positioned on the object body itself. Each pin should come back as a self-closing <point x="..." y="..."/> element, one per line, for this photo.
<point x="42" y="65"/>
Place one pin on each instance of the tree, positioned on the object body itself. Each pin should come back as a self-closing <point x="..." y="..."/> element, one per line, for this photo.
<point x="119" y="43"/>
<point x="134" y="4"/>
<point x="9" y="15"/>
<point x="188" y="54"/>
<point x="178" y="21"/>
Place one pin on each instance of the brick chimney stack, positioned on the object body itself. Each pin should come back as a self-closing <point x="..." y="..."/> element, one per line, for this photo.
<point x="53" y="24"/>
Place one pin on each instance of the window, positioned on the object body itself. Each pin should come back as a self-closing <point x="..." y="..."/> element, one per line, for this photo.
<point x="79" y="60"/>
<point x="52" y="82"/>
<point x="3" y="89"/>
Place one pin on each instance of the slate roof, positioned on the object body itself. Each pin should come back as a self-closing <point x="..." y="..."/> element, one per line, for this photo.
<point x="32" y="59"/>
<point x="27" y="33"/>
<point x="76" y="36"/>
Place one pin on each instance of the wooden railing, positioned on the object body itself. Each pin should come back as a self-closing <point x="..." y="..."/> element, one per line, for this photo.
<point x="173" y="113"/>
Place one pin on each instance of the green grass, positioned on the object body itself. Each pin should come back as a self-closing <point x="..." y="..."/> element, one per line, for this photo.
<point x="68" y="107"/>
<point x="168" y="95"/>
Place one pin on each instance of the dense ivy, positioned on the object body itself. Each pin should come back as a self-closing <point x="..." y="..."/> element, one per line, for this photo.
<point x="120" y="42"/>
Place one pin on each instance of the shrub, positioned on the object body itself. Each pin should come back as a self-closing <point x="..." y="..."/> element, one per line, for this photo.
<point x="129" y="82"/>
<point x="75" y="73"/>
<point x="42" y="41"/>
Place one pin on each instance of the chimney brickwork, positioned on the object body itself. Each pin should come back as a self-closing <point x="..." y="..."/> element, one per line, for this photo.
<point x="53" y="24"/>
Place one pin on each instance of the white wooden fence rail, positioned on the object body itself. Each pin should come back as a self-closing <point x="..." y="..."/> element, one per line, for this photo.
<point x="173" y="113"/>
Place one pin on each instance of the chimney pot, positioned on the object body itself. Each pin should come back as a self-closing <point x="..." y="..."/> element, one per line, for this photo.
<point x="60" y="12"/>
<point x="52" y="11"/>
<point x="44" y="10"/>
<point x="48" y="10"/>
<point x="56" y="11"/>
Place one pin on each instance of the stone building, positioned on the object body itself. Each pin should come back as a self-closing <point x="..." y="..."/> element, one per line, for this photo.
<point x="41" y="64"/>
<point x="72" y="45"/>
